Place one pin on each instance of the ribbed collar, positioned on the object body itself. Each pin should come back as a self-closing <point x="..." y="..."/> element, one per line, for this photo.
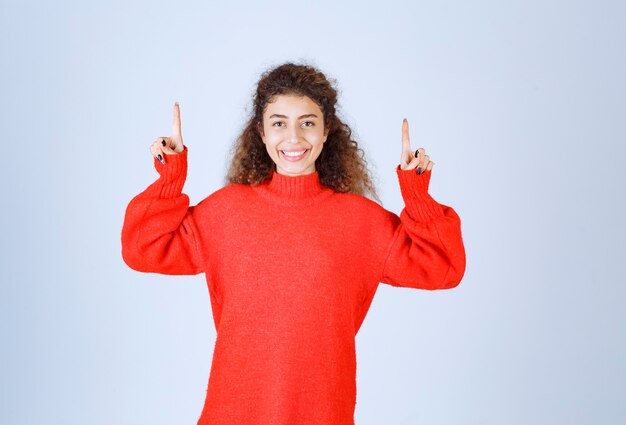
<point x="296" y="189"/>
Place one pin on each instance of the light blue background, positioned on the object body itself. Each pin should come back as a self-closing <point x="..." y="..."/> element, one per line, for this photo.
<point x="521" y="105"/>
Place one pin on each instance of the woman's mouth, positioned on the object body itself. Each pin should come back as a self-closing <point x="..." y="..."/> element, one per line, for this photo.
<point x="294" y="155"/>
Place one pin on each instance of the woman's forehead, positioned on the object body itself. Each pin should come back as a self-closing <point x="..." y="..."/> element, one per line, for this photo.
<point x="290" y="103"/>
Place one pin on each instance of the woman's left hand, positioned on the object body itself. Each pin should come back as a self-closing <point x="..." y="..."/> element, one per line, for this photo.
<point x="411" y="160"/>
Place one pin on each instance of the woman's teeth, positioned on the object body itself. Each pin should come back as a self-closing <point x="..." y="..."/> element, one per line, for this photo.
<point x="294" y="155"/>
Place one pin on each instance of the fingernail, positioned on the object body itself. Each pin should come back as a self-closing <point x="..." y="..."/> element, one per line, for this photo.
<point x="160" y="158"/>
<point x="176" y="103"/>
<point x="417" y="152"/>
<point x="163" y="142"/>
<point x="419" y="170"/>
<point x="404" y="119"/>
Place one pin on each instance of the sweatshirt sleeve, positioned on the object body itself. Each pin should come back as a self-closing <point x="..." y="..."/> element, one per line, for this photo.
<point x="159" y="233"/>
<point x="426" y="249"/>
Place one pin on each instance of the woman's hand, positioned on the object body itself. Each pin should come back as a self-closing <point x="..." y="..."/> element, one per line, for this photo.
<point x="410" y="159"/>
<point x="169" y="145"/>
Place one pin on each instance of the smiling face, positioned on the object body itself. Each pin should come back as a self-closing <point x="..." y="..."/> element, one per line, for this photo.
<point x="293" y="133"/>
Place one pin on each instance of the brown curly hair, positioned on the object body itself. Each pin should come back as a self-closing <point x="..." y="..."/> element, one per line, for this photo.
<point x="341" y="164"/>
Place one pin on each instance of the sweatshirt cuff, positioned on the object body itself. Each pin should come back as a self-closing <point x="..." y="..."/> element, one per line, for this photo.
<point x="418" y="202"/>
<point x="172" y="174"/>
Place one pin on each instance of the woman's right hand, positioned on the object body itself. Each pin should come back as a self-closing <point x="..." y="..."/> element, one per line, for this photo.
<point x="169" y="145"/>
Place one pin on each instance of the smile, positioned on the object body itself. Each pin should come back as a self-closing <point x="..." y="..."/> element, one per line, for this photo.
<point x="294" y="155"/>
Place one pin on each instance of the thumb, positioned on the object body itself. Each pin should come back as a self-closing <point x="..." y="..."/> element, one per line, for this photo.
<point x="168" y="150"/>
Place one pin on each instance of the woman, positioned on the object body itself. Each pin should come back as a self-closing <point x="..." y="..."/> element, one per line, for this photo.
<point x="292" y="251"/>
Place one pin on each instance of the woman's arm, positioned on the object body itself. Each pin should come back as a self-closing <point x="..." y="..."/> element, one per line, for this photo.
<point x="426" y="249"/>
<point x="159" y="233"/>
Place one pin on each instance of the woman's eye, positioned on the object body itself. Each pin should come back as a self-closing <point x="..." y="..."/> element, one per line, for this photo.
<point x="276" y="123"/>
<point x="309" y="123"/>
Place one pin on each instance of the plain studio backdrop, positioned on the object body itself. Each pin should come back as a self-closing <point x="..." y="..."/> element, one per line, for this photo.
<point x="521" y="105"/>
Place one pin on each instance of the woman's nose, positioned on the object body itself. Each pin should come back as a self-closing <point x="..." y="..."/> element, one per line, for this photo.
<point x="294" y="134"/>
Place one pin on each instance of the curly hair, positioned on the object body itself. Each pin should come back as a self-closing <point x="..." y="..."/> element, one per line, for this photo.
<point x="341" y="164"/>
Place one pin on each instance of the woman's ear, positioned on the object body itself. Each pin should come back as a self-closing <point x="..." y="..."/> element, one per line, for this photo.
<point x="259" y="128"/>
<point x="326" y="131"/>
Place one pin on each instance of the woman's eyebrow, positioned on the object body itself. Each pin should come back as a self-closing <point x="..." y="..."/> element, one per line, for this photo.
<point x="300" y="117"/>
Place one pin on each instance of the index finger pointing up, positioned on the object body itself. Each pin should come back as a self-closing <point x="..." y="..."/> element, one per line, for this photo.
<point x="176" y="127"/>
<point x="406" y="142"/>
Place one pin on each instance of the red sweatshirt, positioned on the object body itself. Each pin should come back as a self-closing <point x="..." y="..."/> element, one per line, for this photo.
<point x="291" y="268"/>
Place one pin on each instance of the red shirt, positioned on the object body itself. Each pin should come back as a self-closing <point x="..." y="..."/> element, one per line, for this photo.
<point x="291" y="267"/>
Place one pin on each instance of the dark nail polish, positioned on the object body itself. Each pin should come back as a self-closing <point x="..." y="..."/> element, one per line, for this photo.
<point x="159" y="157"/>
<point x="419" y="170"/>
<point x="417" y="152"/>
<point x="163" y="142"/>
